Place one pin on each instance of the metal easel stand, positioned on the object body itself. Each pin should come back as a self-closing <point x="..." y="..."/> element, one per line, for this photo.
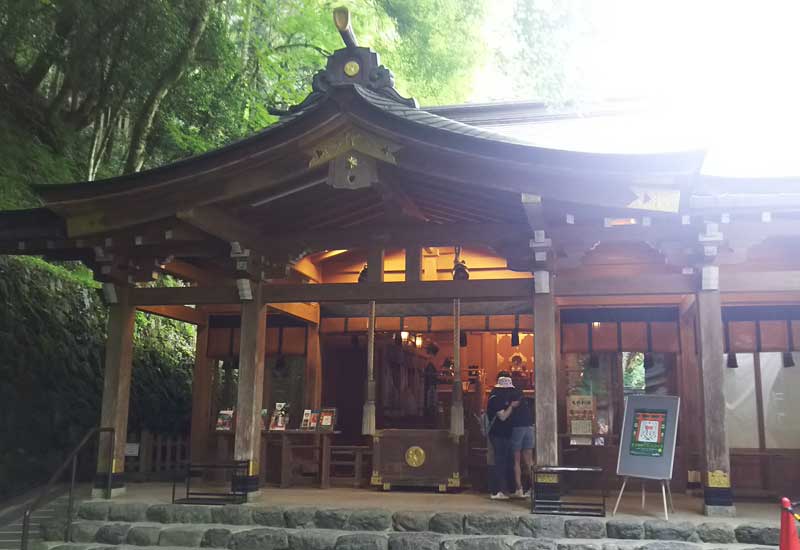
<point x="666" y="495"/>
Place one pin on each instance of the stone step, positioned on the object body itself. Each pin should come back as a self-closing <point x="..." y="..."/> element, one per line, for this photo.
<point x="447" y="523"/>
<point x="251" y="537"/>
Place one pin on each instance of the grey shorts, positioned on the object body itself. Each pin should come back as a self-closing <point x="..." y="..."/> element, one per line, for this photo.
<point x="522" y="438"/>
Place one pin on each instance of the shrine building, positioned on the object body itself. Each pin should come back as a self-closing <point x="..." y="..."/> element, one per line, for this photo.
<point x="370" y="256"/>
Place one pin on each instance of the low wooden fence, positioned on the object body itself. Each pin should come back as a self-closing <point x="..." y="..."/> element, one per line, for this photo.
<point x="159" y="457"/>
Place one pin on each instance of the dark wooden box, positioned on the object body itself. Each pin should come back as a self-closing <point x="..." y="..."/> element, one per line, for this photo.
<point x="416" y="458"/>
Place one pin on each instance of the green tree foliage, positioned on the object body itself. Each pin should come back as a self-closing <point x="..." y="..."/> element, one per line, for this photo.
<point x="52" y="337"/>
<point x="134" y="83"/>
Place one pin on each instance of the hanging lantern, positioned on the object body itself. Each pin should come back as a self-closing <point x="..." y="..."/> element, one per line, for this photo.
<point x="732" y="363"/>
<point x="788" y="360"/>
<point x="460" y="270"/>
<point x="362" y="276"/>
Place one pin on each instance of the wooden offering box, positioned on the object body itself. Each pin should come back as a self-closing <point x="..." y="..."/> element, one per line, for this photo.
<point x="416" y="458"/>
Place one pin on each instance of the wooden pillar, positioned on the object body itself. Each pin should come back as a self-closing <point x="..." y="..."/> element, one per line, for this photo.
<point x="691" y="443"/>
<point x="716" y="478"/>
<point x="544" y="326"/>
<point x="368" y="413"/>
<point x="202" y="382"/>
<point x="375" y="265"/>
<point x="252" y="348"/>
<point x="313" y="386"/>
<point x="457" y="402"/>
<point x="116" y="393"/>
<point x="413" y="264"/>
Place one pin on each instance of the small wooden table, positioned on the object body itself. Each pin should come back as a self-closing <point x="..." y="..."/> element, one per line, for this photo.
<point x="321" y="440"/>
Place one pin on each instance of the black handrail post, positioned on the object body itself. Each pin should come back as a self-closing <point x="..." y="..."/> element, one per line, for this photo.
<point x="26" y="524"/>
<point x="72" y="457"/>
<point x="113" y="440"/>
<point x="188" y="477"/>
<point x="68" y="530"/>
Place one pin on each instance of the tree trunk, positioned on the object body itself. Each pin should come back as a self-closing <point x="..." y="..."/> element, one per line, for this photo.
<point x="171" y="74"/>
<point x="41" y="66"/>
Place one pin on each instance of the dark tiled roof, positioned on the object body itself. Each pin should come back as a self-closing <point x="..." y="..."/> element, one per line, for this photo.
<point x="426" y="118"/>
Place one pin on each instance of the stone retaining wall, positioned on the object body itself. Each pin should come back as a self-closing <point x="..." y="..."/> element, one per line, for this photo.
<point x="234" y="526"/>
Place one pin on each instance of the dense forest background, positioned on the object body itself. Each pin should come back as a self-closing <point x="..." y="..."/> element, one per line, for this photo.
<point x="91" y="89"/>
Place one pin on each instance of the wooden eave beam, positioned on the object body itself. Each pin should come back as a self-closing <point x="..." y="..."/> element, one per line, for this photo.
<point x="397" y="201"/>
<point x="217" y="222"/>
<point x="429" y="291"/>
<point x="568" y="286"/>
<point x="759" y="281"/>
<point x="192" y="273"/>
<point x="308" y="312"/>
<point x="389" y="236"/>
<point x="177" y="313"/>
<point x="646" y="284"/>
<point x="165" y="296"/>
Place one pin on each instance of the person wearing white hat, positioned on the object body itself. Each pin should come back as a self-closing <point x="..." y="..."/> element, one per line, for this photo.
<point x="502" y="401"/>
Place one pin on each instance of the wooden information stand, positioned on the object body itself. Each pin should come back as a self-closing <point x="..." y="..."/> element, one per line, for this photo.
<point x="416" y="458"/>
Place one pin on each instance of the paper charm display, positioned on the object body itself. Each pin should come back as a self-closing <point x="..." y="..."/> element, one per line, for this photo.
<point x="649" y="429"/>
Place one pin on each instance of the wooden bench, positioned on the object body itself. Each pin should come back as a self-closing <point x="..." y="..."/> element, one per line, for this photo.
<point x="352" y="458"/>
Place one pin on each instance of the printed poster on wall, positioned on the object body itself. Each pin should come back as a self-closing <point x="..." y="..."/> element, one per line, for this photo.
<point x="581" y="415"/>
<point x="649" y="430"/>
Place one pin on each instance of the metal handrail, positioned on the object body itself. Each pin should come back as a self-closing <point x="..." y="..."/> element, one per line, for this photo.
<point x="73" y="459"/>
<point x="236" y="466"/>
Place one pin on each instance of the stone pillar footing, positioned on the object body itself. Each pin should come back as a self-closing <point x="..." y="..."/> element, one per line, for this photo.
<point x="253" y="496"/>
<point x="719" y="511"/>
<point x="101" y="493"/>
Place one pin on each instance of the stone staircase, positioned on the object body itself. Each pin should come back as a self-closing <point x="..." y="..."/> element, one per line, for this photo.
<point x="104" y="525"/>
<point x="11" y="533"/>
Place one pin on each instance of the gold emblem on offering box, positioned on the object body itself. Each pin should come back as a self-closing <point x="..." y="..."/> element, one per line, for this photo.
<point x="351" y="68"/>
<point x="719" y="479"/>
<point x="546" y="478"/>
<point x="415" y="456"/>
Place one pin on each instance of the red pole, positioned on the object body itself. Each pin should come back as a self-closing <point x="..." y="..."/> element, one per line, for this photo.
<point x="789" y="539"/>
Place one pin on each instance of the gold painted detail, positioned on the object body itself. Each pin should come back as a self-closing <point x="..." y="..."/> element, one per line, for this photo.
<point x="341" y="18"/>
<point x="659" y="200"/>
<point x="352" y="140"/>
<point x="442" y="488"/>
<point x="454" y="480"/>
<point x="387" y="486"/>
<point x="351" y="68"/>
<point x="376" y="478"/>
<point x="415" y="456"/>
<point x="547" y="478"/>
<point x="86" y="224"/>
<point x="719" y="479"/>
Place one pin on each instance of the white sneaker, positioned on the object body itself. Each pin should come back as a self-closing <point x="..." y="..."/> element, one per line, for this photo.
<point x="519" y="494"/>
<point x="498" y="496"/>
